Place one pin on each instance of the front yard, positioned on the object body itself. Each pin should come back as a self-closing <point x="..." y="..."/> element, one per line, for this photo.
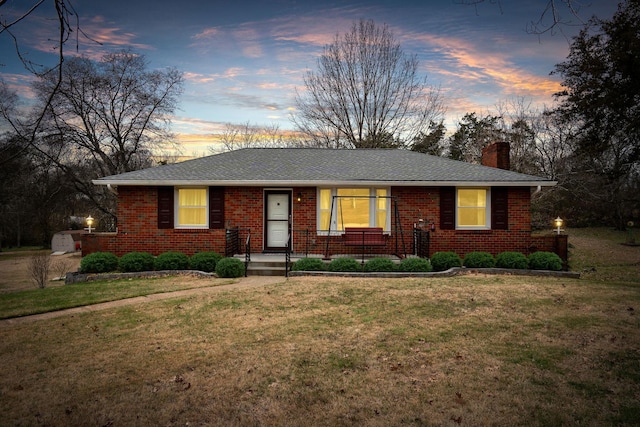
<point x="470" y="350"/>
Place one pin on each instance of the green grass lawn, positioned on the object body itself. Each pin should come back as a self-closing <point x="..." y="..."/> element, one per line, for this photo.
<point x="468" y="350"/>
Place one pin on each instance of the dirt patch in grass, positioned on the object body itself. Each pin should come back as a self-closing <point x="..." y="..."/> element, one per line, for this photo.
<point x="325" y="351"/>
<point x="14" y="269"/>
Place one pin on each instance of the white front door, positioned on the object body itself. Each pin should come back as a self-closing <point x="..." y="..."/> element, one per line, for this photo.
<point x="277" y="220"/>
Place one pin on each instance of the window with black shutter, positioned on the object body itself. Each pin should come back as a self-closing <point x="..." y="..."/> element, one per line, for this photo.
<point x="165" y="207"/>
<point x="447" y="208"/>
<point x="499" y="208"/>
<point x="216" y="207"/>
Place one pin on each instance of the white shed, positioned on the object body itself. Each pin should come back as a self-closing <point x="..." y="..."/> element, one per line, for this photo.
<point x="67" y="241"/>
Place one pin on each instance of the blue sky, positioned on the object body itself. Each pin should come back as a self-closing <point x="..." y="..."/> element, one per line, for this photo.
<point x="244" y="60"/>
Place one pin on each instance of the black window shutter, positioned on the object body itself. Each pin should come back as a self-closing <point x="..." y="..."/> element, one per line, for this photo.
<point x="165" y="207"/>
<point x="499" y="208"/>
<point x="216" y="207"/>
<point x="447" y="208"/>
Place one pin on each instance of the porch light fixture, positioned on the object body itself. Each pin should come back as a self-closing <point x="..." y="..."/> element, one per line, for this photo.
<point x="89" y="224"/>
<point x="299" y="199"/>
<point x="558" y="223"/>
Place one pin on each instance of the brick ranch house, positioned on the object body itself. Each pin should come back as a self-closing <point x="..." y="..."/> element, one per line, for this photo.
<point x="324" y="202"/>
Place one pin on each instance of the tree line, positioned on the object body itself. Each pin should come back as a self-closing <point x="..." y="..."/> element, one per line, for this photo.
<point x="97" y="118"/>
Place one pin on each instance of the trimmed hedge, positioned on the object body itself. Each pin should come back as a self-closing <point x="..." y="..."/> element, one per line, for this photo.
<point x="230" y="267"/>
<point x="379" y="264"/>
<point x="415" y="265"/>
<point x="172" y="261"/>
<point x="345" y="265"/>
<point x="205" y="261"/>
<point x="512" y="260"/>
<point x="99" y="262"/>
<point x="136" y="261"/>
<point x="479" y="260"/>
<point x="308" y="264"/>
<point x="441" y="261"/>
<point x="545" y="261"/>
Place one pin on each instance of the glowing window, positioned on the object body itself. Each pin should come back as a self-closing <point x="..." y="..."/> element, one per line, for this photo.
<point x="472" y="207"/>
<point x="192" y="207"/>
<point x="353" y="207"/>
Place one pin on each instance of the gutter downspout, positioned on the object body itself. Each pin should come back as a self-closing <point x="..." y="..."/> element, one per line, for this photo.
<point x="114" y="190"/>
<point x="539" y="189"/>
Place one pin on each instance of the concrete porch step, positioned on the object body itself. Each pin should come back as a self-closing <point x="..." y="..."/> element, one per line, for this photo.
<point x="271" y="265"/>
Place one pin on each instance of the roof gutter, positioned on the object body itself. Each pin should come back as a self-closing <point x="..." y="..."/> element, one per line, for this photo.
<point x="286" y="183"/>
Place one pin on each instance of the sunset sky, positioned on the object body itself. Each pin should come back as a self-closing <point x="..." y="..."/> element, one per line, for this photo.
<point x="244" y="60"/>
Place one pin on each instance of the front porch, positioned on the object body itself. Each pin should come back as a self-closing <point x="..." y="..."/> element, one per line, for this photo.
<point x="360" y="243"/>
<point x="278" y="264"/>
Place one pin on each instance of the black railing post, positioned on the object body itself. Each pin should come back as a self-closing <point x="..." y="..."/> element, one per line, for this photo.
<point x="232" y="237"/>
<point x="287" y="256"/>
<point x="247" y="253"/>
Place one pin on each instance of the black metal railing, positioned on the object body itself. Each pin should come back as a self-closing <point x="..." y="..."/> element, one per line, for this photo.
<point x="421" y="240"/>
<point x="247" y="253"/>
<point x="321" y="243"/>
<point x="306" y="242"/>
<point x="232" y="242"/>
<point x="287" y="257"/>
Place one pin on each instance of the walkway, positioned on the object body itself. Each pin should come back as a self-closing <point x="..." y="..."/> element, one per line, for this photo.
<point x="245" y="282"/>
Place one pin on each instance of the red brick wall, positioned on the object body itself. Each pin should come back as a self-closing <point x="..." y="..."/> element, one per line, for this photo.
<point x="138" y="229"/>
<point x="244" y="208"/>
<point x="416" y="203"/>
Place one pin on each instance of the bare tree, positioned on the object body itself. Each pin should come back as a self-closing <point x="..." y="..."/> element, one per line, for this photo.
<point x="39" y="269"/>
<point x="101" y="119"/>
<point x="68" y="26"/>
<point x="555" y="15"/>
<point x="365" y="93"/>
<point x="518" y="120"/>
<point x="247" y="135"/>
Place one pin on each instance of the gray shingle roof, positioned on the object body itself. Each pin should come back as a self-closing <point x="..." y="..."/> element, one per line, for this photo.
<point x="309" y="166"/>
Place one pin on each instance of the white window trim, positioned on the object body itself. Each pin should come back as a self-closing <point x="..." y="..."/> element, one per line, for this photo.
<point x="373" y="211"/>
<point x="176" y="208"/>
<point x="487" y="210"/>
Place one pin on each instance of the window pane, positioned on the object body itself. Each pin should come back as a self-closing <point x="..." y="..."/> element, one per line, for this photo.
<point x="472" y="197"/>
<point x="192" y="216"/>
<point x="353" y="207"/>
<point x="381" y="208"/>
<point x="324" y="209"/>
<point x="472" y="205"/>
<point x="192" y="197"/>
<point x="325" y="198"/>
<point x="472" y="217"/>
<point x="192" y="207"/>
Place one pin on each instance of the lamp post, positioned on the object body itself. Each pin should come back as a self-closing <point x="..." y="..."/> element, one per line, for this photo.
<point x="558" y="223"/>
<point x="89" y="224"/>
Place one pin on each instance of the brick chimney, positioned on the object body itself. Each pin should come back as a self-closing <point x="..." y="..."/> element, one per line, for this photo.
<point x="496" y="155"/>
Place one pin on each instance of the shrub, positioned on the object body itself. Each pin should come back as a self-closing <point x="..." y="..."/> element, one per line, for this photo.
<point x="512" y="260"/>
<point x="172" y="261"/>
<point x="441" y="261"/>
<point x="545" y="261"/>
<point x="136" y="261"/>
<point x="479" y="260"/>
<point x="415" y="265"/>
<point x="345" y="265"/>
<point x="230" y="267"/>
<point x="39" y="269"/>
<point x="308" y="264"/>
<point x="205" y="261"/>
<point x="379" y="264"/>
<point x="99" y="262"/>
